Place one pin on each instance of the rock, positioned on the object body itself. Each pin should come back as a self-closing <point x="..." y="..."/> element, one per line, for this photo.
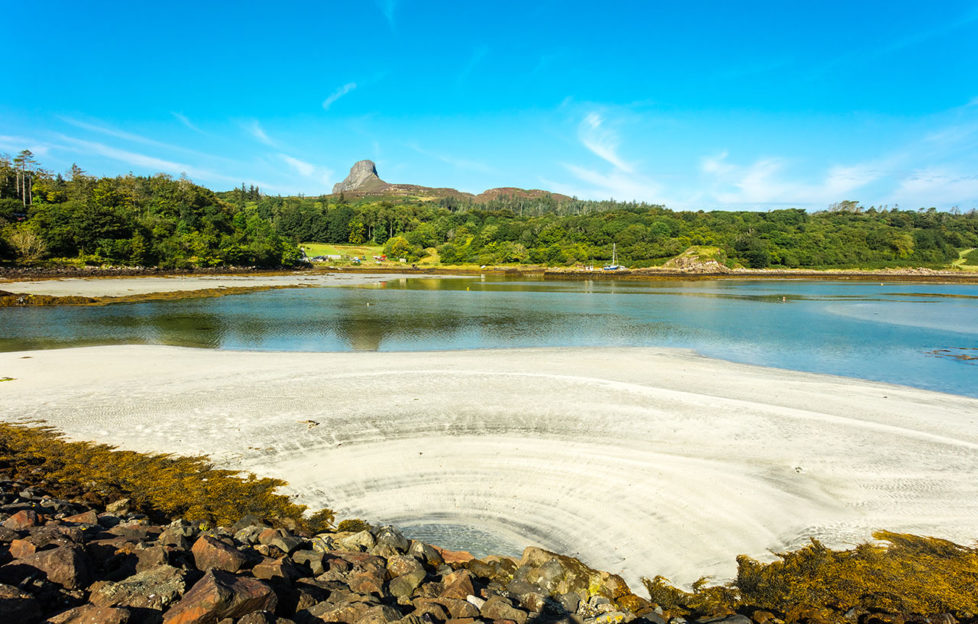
<point x="458" y="584"/>
<point x="323" y="543"/>
<point x="248" y="520"/>
<point x="173" y="536"/>
<point x="362" y="540"/>
<point x="23" y="520"/>
<point x="459" y="608"/>
<point x="612" y="617"/>
<point x="153" y="589"/>
<point x="389" y="536"/>
<point x="558" y="574"/>
<point x="286" y="543"/>
<point x="212" y="553"/>
<point x="425" y="553"/>
<point x="363" y="573"/>
<point x="426" y="609"/>
<point x="400" y="564"/>
<point x="248" y="534"/>
<point x="570" y="602"/>
<point x="91" y="614"/>
<point x="20" y="548"/>
<point x="88" y="517"/>
<point x="381" y="614"/>
<point x="221" y="595"/>
<point x="281" y="568"/>
<point x="312" y="559"/>
<point x="454" y="556"/>
<point x="475" y="601"/>
<point x="258" y="617"/>
<point x="403" y="586"/>
<point x="348" y="613"/>
<point x="67" y="566"/>
<point x="363" y="176"/>
<point x="18" y="606"/>
<point x="118" y="507"/>
<point x="498" y="608"/>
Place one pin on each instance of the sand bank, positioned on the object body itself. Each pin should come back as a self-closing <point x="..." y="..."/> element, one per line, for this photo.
<point x="126" y="286"/>
<point x="640" y="461"/>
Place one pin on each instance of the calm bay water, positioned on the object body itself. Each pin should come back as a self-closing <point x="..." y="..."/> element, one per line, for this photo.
<point x="913" y="334"/>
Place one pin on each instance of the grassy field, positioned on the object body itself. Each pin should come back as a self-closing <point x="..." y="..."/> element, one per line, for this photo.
<point x="326" y="249"/>
<point x="967" y="260"/>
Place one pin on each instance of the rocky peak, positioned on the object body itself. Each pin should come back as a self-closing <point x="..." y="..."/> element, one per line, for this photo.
<point x="363" y="176"/>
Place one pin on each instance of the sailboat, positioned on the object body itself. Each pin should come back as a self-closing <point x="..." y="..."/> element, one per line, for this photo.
<point x="614" y="266"/>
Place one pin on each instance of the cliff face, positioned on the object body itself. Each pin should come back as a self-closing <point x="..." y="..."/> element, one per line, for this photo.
<point x="363" y="177"/>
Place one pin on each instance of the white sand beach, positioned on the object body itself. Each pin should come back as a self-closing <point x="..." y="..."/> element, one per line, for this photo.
<point x="122" y="286"/>
<point x="639" y="461"/>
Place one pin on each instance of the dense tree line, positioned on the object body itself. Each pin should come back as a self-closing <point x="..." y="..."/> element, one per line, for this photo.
<point x="129" y="220"/>
<point x="574" y="231"/>
<point x="160" y="221"/>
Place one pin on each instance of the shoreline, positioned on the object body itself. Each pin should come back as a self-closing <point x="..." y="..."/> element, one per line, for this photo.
<point x="636" y="460"/>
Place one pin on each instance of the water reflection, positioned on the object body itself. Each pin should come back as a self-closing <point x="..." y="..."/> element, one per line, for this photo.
<point x="885" y="332"/>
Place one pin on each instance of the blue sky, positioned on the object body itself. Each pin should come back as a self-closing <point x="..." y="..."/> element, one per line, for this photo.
<point x="710" y="105"/>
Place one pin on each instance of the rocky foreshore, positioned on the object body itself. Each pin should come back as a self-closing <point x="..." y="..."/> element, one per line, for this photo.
<point x="64" y="562"/>
<point x="63" y="271"/>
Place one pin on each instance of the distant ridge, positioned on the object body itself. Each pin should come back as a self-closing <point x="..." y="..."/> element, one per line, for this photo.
<point x="364" y="181"/>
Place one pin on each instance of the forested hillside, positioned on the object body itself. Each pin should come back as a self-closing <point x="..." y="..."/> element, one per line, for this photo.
<point x="159" y="221"/>
<point x="128" y="220"/>
<point x="545" y="231"/>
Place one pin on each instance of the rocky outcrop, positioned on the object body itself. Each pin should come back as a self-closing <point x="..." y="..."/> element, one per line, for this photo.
<point x="64" y="562"/>
<point x="363" y="177"/>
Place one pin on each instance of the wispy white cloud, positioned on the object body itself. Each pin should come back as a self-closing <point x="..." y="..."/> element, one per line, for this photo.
<point x="183" y="119"/>
<point x="602" y="141"/>
<point x="388" y="8"/>
<point x="478" y="55"/>
<point x="618" y="183"/>
<point x="937" y="186"/>
<point x="254" y="129"/>
<point x="15" y="144"/>
<point x="304" y="168"/>
<point x="335" y="95"/>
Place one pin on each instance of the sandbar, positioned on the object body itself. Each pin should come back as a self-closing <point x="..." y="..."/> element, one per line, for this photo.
<point x="640" y="461"/>
<point x="128" y="286"/>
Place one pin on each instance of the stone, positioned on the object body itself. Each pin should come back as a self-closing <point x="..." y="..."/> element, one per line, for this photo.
<point x="426" y="609"/>
<point x="20" y="548"/>
<point x="92" y="614"/>
<point x="403" y="586"/>
<point x="258" y="617"/>
<point x="401" y="564"/>
<point x="17" y="605"/>
<point x="458" y="584"/>
<point x="312" y="559"/>
<point x="153" y="589"/>
<point x="389" y="536"/>
<point x="459" y="608"/>
<point x="363" y="176"/>
<point x="87" y="517"/>
<point x="425" y="553"/>
<point x="221" y="595"/>
<point x="286" y="543"/>
<point x="281" y="568"/>
<point x="323" y="543"/>
<point x="118" y="507"/>
<point x="248" y="534"/>
<point x="559" y="574"/>
<point x="173" y="536"/>
<point x="475" y="601"/>
<point x="363" y="573"/>
<point x="347" y="613"/>
<point x="730" y="619"/>
<point x="570" y="601"/>
<point x="454" y="556"/>
<point x="498" y="608"/>
<point x="67" y="566"/>
<point x="363" y="540"/>
<point x="380" y="614"/>
<point x="211" y="553"/>
<point x="612" y="617"/>
<point x="23" y="520"/>
<point x="248" y="520"/>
